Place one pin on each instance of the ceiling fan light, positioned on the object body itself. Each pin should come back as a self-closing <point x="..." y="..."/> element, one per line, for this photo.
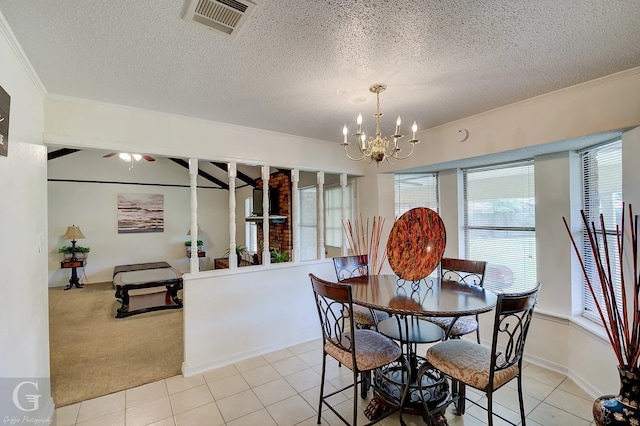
<point x="124" y="156"/>
<point x="137" y="157"/>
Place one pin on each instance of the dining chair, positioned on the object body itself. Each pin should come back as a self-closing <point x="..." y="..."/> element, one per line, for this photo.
<point x="483" y="367"/>
<point x="468" y="272"/>
<point x="353" y="267"/>
<point x="360" y="350"/>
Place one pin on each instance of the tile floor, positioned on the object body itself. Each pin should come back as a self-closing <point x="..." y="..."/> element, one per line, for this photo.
<point x="281" y="389"/>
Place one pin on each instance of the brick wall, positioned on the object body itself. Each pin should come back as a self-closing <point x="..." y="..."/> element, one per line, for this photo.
<point x="280" y="234"/>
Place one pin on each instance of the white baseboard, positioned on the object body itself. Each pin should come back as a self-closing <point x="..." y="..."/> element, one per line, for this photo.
<point x="191" y="370"/>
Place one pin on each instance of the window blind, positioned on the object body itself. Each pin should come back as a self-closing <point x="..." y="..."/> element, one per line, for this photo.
<point x="308" y="223"/>
<point x="602" y="194"/>
<point x="333" y="212"/>
<point x="250" y="228"/>
<point x="499" y="224"/>
<point x="416" y="190"/>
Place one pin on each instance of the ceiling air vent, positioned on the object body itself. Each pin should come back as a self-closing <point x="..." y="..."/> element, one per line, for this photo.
<point x="226" y="16"/>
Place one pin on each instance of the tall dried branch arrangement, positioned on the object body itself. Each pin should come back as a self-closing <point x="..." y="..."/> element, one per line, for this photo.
<point x="366" y="240"/>
<point x="621" y="321"/>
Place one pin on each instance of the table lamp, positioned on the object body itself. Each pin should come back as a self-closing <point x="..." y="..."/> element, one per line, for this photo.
<point x="199" y="230"/>
<point x="73" y="233"/>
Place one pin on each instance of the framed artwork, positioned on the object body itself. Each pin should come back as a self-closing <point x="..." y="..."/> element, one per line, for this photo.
<point x="140" y="213"/>
<point x="5" y="102"/>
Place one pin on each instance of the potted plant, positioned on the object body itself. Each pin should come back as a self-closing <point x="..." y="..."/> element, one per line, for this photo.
<point x="188" y="246"/>
<point x="69" y="251"/>
<point x="620" y="313"/>
<point x="278" y="256"/>
<point x="240" y="251"/>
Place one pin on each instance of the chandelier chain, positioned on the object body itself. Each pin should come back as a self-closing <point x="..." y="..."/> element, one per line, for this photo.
<point x="378" y="114"/>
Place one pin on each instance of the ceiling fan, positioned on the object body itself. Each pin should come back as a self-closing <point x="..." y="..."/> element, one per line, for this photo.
<point x="129" y="157"/>
<point x="125" y="156"/>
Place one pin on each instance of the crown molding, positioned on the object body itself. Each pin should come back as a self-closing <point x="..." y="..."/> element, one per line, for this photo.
<point x="8" y="35"/>
<point x="574" y="88"/>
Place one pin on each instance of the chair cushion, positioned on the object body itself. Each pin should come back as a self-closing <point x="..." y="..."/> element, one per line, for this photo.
<point x="468" y="362"/>
<point x="373" y="350"/>
<point x="464" y="325"/>
<point x="362" y="316"/>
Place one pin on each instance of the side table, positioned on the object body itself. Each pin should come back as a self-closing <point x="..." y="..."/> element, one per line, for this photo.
<point x="73" y="264"/>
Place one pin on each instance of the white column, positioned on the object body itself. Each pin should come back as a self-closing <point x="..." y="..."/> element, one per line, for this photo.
<point x="266" y="254"/>
<point x="233" y="259"/>
<point x="194" y="264"/>
<point x="343" y="186"/>
<point x="295" y="214"/>
<point x="320" y="221"/>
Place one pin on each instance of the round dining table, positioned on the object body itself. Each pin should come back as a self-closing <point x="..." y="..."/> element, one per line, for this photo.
<point x="428" y="297"/>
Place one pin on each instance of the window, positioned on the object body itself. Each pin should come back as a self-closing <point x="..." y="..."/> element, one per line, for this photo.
<point x="308" y="224"/>
<point x="333" y="212"/>
<point x="602" y="194"/>
<point x="499" y="223"/>
<point x="416" y="190"/>
<point x="250" y="228"/>
<point x="332" y="217"/>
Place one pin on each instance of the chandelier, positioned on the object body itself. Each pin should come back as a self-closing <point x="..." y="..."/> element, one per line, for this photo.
<point x="378" y="148"/>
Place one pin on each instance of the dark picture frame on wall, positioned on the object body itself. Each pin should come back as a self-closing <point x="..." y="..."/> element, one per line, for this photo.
<point x="5" y="103"/>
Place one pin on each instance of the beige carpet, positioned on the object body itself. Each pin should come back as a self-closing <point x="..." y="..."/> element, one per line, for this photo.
<point x="95" y="354"/>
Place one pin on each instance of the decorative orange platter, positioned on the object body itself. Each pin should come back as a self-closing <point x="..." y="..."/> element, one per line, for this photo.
<point x="416" y="243"/>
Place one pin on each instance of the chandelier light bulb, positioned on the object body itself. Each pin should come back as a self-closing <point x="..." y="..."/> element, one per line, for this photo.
<point x="414" y="128"/>
<point x="344" y="132"/>
<point x="398" y="121"/>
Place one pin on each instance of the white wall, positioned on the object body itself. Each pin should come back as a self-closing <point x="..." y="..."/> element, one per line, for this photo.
<point x="605" y="104"/>
<point x="24" y="330"/>
<point x="553" y="189"/>
<point x="630" y="169"/>
<point x="451" y="199"/>
<point x="93" y="207"/>
<point x="376" y="197"/>
<point x="232" y="315"/>
<point x="79" y="123"/>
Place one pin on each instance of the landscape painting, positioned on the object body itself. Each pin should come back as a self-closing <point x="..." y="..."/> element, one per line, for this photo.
<point x="140" y="213"/>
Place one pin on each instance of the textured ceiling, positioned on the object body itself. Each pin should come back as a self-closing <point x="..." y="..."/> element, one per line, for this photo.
<point x="304" y="67"/>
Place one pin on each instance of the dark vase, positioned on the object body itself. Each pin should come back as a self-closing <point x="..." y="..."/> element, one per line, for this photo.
<point x="623" y="408"/>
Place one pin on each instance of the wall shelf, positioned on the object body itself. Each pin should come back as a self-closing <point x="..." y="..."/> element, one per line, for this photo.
<point x="272" y="218"/>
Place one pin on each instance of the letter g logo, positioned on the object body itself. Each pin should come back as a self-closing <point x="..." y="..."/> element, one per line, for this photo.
<point x="31" y="398"/>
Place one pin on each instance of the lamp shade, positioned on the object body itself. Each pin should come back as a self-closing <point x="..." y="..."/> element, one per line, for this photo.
<point x="199" y="231"/>
<point x="73" y="233"/>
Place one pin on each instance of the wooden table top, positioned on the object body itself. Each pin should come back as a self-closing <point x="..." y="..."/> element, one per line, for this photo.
<point x="149" y="277"/>
<point x="427" y="297"/>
